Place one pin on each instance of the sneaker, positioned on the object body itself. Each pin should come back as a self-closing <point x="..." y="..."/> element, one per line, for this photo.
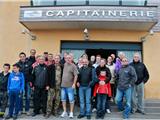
<point x="71" y="115"/>
<point x="64" y="114"/>
<point x="94" y="110"/>
<point x="108" y="111"/>
<point x="80" y="116"/>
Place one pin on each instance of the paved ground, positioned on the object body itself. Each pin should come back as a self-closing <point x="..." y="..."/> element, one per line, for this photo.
<point x="112" y="116"/>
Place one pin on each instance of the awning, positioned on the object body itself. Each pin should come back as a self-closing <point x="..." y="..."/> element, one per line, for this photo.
<point x="92" y="17"/>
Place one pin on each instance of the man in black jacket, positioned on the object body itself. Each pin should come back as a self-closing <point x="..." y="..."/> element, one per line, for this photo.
<point x="26" y="69"/>
<point x="3" y="89"/>
<point x="40" y="86"/>
<point x="32" y="57"/>
<point x="84" y="80"/>
<point x="138" y="88"/>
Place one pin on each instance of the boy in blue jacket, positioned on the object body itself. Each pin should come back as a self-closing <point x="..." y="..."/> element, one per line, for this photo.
<point x="15" y="88"/>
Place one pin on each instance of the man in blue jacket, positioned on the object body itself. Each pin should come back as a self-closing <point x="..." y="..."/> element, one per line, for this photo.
<point x="126" y="78"/>
<point x="15" y="88"/>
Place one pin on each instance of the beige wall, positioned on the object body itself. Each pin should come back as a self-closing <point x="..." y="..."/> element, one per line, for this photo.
<point x="12" y="42"/>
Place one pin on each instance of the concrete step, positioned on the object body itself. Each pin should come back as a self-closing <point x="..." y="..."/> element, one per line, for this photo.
<point x="151" y="107"/>
<point x="152" y="103"/>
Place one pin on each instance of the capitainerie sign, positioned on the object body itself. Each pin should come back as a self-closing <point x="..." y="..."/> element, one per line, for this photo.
<point x="89" y="12"/>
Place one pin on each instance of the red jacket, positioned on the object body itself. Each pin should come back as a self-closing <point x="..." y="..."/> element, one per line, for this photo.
<point x="102" y="89"/>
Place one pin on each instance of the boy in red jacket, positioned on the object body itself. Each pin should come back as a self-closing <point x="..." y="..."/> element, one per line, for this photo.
<point x="101" y="90"/>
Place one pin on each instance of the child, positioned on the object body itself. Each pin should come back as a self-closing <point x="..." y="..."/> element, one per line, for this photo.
<point x="15" y="88"/>
<point x="101" y="90"/>
<point x="3" y="88"/>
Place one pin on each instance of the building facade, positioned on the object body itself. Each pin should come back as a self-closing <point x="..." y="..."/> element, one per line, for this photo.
<point x="84" y="26"/>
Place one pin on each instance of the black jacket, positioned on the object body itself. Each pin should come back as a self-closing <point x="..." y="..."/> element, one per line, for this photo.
<point x="26" y="69"/>
<point x="85" y="76"/>
<point x="40" y="76"/>
<point x="108" y="73"/>
<point x="3" y="81"/>
<point x="52" y="75"/>
<point x="31" y="59"/>
<point x="141" y="71"/>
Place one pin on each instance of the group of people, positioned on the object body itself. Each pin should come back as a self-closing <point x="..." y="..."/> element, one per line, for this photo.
<point x="53" y="80"/>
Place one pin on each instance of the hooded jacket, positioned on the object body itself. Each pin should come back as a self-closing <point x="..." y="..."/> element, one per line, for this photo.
<point x="16" y="82"/>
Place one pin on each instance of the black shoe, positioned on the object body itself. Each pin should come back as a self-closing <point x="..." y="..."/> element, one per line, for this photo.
<point x="14" y="117"/>
<point x="44" y="115"/>
<point x="102" y="117"/>
<point x="8" y="117"/>
<point x="47" y="115"/>
<point x="80" y="116"/>
<point x="98" y="117"/>
<point x="34" y="114"/>
<point x="88" y="117"/>
<point x="142" y="112"/>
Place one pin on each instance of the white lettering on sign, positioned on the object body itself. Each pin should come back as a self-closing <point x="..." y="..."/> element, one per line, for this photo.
<point x="92" y="13"/>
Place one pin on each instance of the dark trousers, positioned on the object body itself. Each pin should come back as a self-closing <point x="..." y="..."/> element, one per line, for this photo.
<point x="3" y="100"/>
<point x="14" y="97"/>
<point x="27" y="98"/>
<point x="113" y="89"/>
<point x="101" y="104"/>
<point x="40" y="100"/>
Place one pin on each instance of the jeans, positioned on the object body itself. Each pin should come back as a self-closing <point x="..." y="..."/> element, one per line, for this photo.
<point x="67" y="92"/>
<point x="85" y="100"/>
<point x="107" y="103"/>
<point x="119" y="100"/>
<point x="27" y="98"/>
<point x="138" y="97"/>
<point x="14" y="97"/>
<point x="101" y="104"/>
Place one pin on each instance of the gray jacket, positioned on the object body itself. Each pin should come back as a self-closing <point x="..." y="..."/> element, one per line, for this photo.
<point x="126" y="77"/>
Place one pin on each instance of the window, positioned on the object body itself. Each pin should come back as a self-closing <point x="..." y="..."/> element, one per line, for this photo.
<point x="77" y="53"/>
<point x="129" y="55"/>
<point x="134" y="2"/>
<point x="104" y="2"/>
<point x="71" y="2"/>
<point x="88" y="2"/>
<point x="43" y="2"/>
